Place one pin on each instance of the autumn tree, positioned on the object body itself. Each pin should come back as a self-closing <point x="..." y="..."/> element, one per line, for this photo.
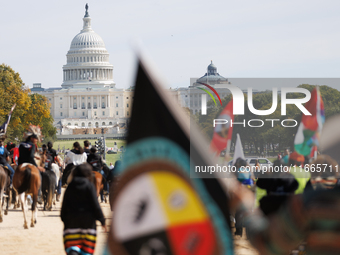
<point x="30" y="108"/>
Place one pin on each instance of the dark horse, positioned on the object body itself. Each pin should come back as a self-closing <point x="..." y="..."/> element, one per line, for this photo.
<point x="67" y="171"/>
<point x="26" y="180"/>
<point x="4" y="186"/>
<point x="48" y="187"/>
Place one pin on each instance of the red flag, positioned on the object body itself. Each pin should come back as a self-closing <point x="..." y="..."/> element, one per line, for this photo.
<point x="223" y="132"/>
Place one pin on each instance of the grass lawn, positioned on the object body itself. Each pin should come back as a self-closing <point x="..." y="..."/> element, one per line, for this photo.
<point x="110" y="158"/>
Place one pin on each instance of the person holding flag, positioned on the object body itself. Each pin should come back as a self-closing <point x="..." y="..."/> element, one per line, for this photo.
<point x="223" y="132"/>
<point x="308" y="134"/>
<point x="4" y="154"/>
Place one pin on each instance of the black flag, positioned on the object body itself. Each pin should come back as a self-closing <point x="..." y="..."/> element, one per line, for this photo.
<point x="3" y="127"/>
<point x="158" y="207"/>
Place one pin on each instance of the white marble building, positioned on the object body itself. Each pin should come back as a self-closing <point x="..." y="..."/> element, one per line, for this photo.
<point x="88" y="97"/>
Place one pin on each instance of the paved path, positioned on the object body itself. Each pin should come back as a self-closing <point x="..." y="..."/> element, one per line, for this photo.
<point x="45" y="238"/>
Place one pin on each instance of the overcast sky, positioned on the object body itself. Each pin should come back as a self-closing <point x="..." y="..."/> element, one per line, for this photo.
<point x="243" y="38"/>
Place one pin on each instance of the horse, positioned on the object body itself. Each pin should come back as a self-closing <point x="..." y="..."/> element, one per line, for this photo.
<point x="48" y="188"/>
<point x="49" y="182"/>
<point x="56" y="170"/>
<point x="97" y="180"/>
<point x="4" y="186"/>
<point x="67" y="174"/>
<point x="26" y="180"/>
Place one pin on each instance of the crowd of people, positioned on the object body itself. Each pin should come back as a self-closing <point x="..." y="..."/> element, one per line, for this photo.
<point x="295" y="205"/>
<point x="80" y="206"/>
<point x="298" y="205"/>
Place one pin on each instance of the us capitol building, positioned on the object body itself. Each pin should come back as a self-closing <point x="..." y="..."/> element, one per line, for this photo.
<point x="88" y="99"/>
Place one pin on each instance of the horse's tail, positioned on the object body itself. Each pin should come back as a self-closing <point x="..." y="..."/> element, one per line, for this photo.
<point x="26" y="182"/>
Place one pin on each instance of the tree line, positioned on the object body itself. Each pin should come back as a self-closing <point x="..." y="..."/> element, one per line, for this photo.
<point x="30" y="108"/>
<point x="277" y="138"/>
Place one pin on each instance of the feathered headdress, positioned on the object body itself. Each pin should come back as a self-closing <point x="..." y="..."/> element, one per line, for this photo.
<point x="33" y="131"/>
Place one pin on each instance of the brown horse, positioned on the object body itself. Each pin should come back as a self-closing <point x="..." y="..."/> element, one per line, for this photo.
<point x="4" y="186"/>
<point x="26" y="180"/>
<point x="98" y="182"/>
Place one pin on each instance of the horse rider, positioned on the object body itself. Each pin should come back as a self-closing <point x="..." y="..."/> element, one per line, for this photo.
<point x="4" y="158"/>
<point x="87" y="147"/>
<point x="95" y="160"/>
<point x="27" y="151"/>
<point x="55" y="159"/>
<point x="48" y="158"/>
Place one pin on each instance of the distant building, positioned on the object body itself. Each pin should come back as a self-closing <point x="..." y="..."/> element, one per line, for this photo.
<point x="88" y="99"/>
<point x="191" y="97"/>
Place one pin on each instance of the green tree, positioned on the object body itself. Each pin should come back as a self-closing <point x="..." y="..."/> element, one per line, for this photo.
<point x="268" y="136"/>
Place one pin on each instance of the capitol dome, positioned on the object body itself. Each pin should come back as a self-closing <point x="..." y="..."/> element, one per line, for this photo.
<point x="87" y="60"/>
<point x="87" y="40"/>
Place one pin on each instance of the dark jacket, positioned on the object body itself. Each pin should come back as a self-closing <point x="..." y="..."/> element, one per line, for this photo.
<point x="48" y="162"/>
<point x="80" y="207"/>
<point x="53" y="153"/>
<point x="95" y="161"/>
<point x="26" y="153"/>
<point x="278" y="192"/>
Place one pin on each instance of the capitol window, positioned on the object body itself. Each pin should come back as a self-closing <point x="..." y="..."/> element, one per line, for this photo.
<point x="69" y="124"/>
<point x="75" y="113"/>
<point x="103" y="124"/>
<point x="110" y="123"/>
<point x="83" y="124"/>
<point x="127" y="113"/>
<point x="116" y="104"/>
<point x="61" y="105"/>
<point x="103" y="113"/>
<point x="127" y="105"/>
<point x="61" y="98"/>
<point x="116" y="113"/>
<point x="83" y="113"/>
<point x="61" y="114"/>
<point x="89" y="124"/>
<point x="95" y="113"/>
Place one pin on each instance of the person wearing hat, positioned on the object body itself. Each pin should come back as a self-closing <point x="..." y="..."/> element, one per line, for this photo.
<point x="27" y="150"/>
<point x="4" y="158"/>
